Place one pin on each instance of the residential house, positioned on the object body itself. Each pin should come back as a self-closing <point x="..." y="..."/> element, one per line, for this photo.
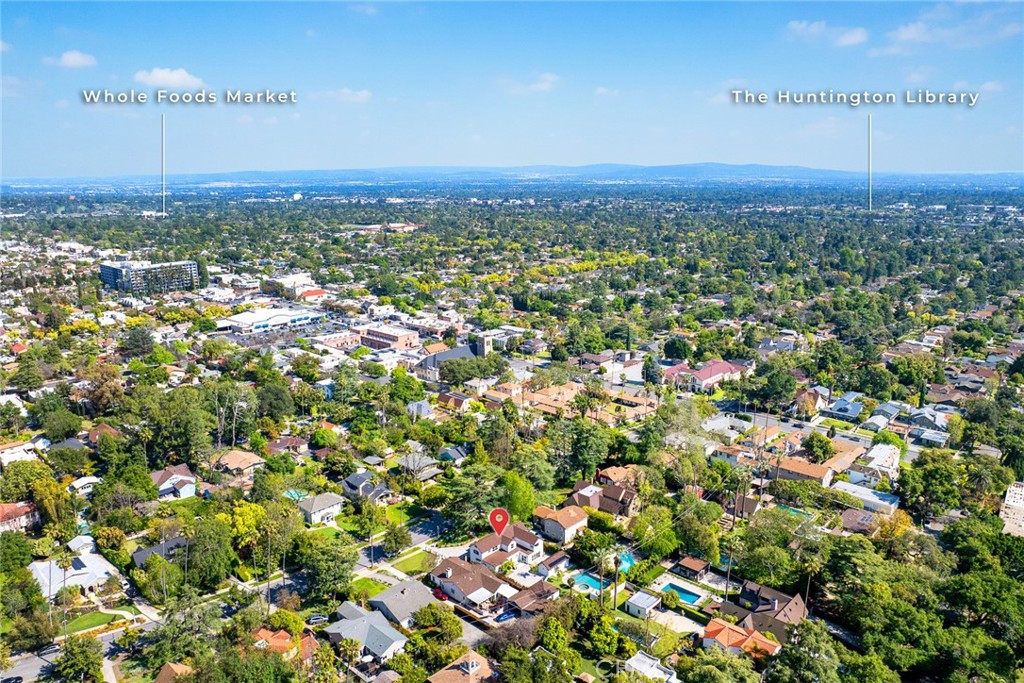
<point x="874" y="501"/>
<point x="22" y="516"/>
<point x="240" y="464"/>
<point x="362" y="485"/>
<point x="800" y="469"/>
<point x="534" y="599"/>
<point x="728" y="427"/>
<point x="692" y="568"/>
<point x="83" y="486"/>
<point x="456" y="455"/>
<point x="614" y="500"/>
<point x="88" y="572"/>
<point x="929" y="437"/>
<point x="880" y="463"/>
<point x="321" y="508"/>
<point x="856" y="521"/>
<point x="561" y="525"/>
<point x="419" y="465"/>
<point x="808" y="403"/>
<point x="420" y="410"/>
<point x="99" y="430"/>
<point x="166" y="549"/>
<point x="454" y="400"/>
<point x="172" y="671"/>
<point x="556" y="563"/>
<point x="626" y="476"/>
<point x="650" y="667"/>
<point x="515" y="543"/>
<point x="17" y="451"/>
<point x="642" y="604"/>
<point x="399" y="602"/>
<point x="469" y="668"/>
<point x="706" y="377"/>
<point x="736" y="639"/>
<point x="472" y="585"/>
<point x="174" y="481"/>
<point x="376" y="637"/>
<point x="288" y="445"/>
<point x="279" y="641"/>
<point x="929" y="418"/>
<point x="763" y="609"/>
<point x="847" y="408"/>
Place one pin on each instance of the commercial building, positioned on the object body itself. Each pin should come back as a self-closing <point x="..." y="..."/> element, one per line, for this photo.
<point x="267" y="319"/>
<point x="387" y="337"/>
<point x="143" y="277"/>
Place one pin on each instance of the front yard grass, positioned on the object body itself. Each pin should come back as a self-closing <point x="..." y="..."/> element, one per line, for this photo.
<point x="415" y="563"/>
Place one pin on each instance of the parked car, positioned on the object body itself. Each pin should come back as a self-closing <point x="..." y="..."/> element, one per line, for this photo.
<point x="505" y="616"/>
<point x="51" y="649"/>
<point x="317" y="619"/>
<point x="440" y="594"/>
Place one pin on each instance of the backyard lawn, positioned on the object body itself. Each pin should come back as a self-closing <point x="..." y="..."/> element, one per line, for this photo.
<point x="415" y="563"/>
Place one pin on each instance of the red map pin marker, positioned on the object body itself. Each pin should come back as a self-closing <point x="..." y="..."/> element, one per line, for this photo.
<point x="498" y="519"/>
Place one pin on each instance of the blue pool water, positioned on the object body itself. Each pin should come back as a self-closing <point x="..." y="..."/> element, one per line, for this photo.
<point x="627" y="560"/>
<point x="686" y="596"/>
<point x="588" y="579"/>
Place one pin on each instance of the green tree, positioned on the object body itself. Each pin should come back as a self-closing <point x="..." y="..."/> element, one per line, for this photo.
<point x="19" y="476"/>
<point x="137" y="342"/>
<point x="716" y="666"/>
<point x="329" y="562"/>
<point x="27" y="377"/>
<point x="61" y="424"/>
<point x="81" y="659"/>
<point x="809" y="656"/>
<point x="396" y="539"/>
<point x="442" y="619"/>
<point x="517" y="496"/>
<point x="819" y="447"/>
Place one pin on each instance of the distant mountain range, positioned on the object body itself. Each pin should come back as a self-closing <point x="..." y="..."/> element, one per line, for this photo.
<point x="595" y="173"/>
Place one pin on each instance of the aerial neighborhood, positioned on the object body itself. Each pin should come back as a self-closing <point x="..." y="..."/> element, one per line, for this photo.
<point x="279" y="458"/>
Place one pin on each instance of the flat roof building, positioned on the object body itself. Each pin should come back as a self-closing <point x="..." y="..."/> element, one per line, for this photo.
<point x="143" y="277"/>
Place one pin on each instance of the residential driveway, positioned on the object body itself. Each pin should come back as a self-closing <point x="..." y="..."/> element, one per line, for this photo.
<point x="471" y="635"/>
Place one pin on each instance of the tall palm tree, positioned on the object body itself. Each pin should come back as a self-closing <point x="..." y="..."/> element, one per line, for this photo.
<point x="65" y="560"/>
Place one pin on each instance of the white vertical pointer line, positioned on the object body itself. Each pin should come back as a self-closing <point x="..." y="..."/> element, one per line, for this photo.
<point x="163" y="164"/>
<point x="870" y="187"/>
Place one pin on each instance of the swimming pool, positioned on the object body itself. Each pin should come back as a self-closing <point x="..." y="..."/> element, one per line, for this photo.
<point x="588" y="579"/>
<point x="794" y="511"/>
<point x="689" y="597"/>
<point x="626" y="560"/>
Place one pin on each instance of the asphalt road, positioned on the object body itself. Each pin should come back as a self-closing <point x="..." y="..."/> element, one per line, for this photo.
<point x="31" y="667"/>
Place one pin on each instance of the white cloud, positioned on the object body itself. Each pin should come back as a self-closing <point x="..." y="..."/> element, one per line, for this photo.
<point x="168" y="78"/>
<point x="271" y="120"/>
<point x="954" y="26"/>
<point x="821" y="31"/>
<point x="349" y="95"/>
<point x="990" y="86"/>
<point x="918" y="75"/>
<point x="12" y="86"/>
<point x="244" y="119"/>
<point x="310" y="33"/>
<point x="72" y="59"/>
<point x="544" y="82"/>
<point x="365" y="8"/>
<point x="602" y="91"/>
<point x="5" y="46"/>
<point x="61" y="104"/>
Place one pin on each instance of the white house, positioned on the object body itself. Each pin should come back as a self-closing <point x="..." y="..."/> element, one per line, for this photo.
<point x="321" y="508"/>
<point x="650" y="667"/>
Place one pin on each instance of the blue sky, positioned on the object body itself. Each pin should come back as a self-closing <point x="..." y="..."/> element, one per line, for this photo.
<point x="503" y="84"/>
